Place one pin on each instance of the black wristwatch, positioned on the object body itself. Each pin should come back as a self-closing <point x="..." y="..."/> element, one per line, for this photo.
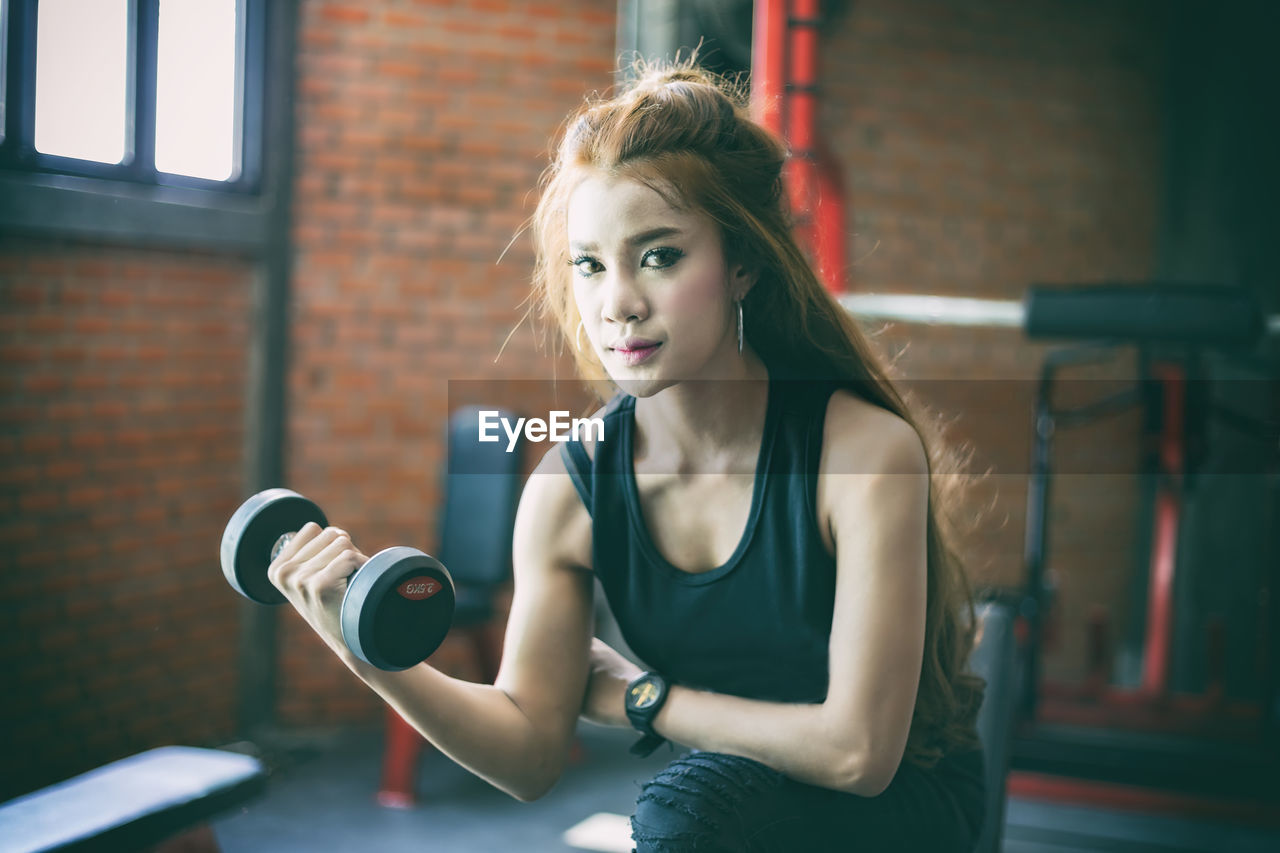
<point x="646" y="694"/>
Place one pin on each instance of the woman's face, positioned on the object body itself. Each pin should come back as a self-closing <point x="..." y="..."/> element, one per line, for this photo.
<point x="652" y="286"/>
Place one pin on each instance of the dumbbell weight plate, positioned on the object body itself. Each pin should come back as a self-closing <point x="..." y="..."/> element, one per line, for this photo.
<point x="252" y="533"/>
<point x="398" y="608"/>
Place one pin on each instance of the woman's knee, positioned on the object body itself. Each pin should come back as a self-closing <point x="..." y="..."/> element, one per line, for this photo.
<point x="701" y="802"/>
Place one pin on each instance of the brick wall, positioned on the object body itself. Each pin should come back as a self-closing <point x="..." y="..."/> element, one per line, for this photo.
<point x="423" y="128"/>
<point x="121" y="434"/>
<point x="987" y="147"/>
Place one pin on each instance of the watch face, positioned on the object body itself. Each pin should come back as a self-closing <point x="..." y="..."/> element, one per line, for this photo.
<point x="644" y="694"/>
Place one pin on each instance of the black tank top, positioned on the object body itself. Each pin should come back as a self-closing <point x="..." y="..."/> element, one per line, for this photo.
<point x="757" y="626"/>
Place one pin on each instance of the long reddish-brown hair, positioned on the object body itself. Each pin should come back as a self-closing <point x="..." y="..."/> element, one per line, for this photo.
<point x="687" y="134"/>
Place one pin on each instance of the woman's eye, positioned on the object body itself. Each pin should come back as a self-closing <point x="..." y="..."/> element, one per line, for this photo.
<point x="661" y="258"/>
<point x="585" y="265"/>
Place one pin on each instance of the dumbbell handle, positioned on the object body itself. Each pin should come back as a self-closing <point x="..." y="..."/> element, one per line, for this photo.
<point x="285" y="539"/>
<point x="278" y="548"/>
<point x="416" y="589"/>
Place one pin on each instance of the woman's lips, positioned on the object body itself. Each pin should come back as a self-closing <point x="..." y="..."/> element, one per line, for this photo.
<point x="636" y="354"/>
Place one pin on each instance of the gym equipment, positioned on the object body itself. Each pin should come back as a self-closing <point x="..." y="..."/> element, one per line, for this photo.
<point x="1150" y="734"/>
<point x="398" y="606"/>
<point x="168" y="794"/>
<point x="1192" y="315"/>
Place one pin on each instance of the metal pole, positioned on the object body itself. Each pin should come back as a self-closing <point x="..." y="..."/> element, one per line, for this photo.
<point x="265" y="427"/>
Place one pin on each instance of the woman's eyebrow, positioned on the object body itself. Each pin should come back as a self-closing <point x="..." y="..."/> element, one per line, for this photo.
<point x="633" y="240"/>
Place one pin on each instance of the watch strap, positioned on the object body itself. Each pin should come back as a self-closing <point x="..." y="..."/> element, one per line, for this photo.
<point x="642" y="719"/>
<point x="644" y="747"/>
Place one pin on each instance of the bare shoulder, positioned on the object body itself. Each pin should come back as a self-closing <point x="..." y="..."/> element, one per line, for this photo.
<point x="553" y="527"/>
<point x="860" y="437"/>
<point x="873" y="470"/>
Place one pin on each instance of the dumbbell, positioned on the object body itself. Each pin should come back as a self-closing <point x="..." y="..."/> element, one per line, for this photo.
<point x="398" y="605"/>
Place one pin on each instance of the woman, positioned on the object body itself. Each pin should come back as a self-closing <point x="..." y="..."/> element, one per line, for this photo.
<point x="760" y="512"/>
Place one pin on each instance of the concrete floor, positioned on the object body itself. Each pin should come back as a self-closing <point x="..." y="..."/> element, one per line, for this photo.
<point x="325" y="802"/>
<point x="321" y="798"/>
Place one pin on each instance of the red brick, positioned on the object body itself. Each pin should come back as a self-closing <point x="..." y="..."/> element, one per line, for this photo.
<point x="43" y="384"/>
<point x="344" y="14"/>
<point x="404" y="20"/>
<point x="405" y="70"/>
<point x="64" y="469"/>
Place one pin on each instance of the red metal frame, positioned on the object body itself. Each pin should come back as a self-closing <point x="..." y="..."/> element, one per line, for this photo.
<point x="400" y="763"/>
<point x="1168" y="512"/>
<point x="784" y="98"/>
<point x="1131" y="798"/>
<point x="830" y="236"/>
<point x="768" y="52"/>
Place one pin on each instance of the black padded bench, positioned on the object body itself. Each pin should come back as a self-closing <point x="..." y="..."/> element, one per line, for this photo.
<point x="135" y="803"/>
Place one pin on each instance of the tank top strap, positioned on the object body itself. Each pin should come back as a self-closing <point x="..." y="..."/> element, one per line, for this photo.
<point x="579" y="464"/>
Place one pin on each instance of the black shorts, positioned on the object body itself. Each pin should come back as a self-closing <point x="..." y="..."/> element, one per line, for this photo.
<point x="708" y="801"/>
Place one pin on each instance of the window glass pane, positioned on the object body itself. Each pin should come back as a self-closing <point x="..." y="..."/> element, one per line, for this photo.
<point x="82" y="47"/>
<point x="197" y="89"/>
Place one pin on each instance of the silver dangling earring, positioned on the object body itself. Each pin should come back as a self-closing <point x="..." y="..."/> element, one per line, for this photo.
<point x="738" y="302"/>
<point x="577" y="337"/>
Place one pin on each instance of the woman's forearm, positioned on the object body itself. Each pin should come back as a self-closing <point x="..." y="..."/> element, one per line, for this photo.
<point x="806" y="742"/>
<point x="477" y="725"/>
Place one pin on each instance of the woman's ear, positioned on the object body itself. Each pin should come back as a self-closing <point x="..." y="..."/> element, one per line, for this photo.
<point x="741" y="280"/>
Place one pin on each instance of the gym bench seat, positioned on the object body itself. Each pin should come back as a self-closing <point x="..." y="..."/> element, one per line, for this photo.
<point x="135" y="803"/>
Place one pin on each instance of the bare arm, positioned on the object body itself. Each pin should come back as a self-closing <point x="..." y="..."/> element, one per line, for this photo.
<point x="855" y="739"/>
<point x="514" y="734"/>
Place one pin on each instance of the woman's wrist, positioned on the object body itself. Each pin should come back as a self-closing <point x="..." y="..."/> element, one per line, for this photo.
<point x="664" y="721"/>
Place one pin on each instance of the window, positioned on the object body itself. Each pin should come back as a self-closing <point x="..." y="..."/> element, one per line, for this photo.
<point x="164" y="92"/>
<point x="163" y="123"/>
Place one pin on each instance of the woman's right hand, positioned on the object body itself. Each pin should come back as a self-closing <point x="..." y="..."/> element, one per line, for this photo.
<point x="312" y="572"/>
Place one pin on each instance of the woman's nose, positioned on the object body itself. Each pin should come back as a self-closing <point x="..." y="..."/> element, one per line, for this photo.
<point x="623" y="300"/>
